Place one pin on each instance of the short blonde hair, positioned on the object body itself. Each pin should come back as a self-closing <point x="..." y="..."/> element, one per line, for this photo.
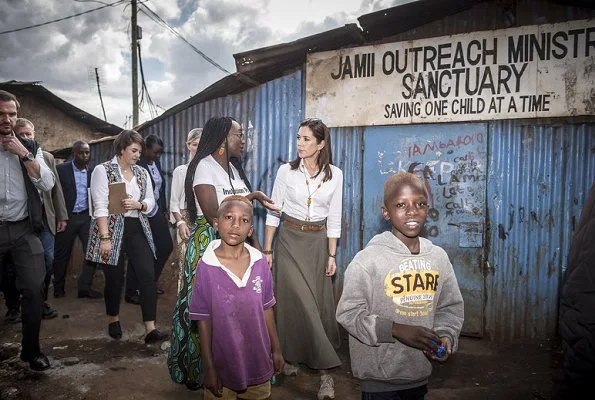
<point x="394" y="182"/>
<point x="194" y="134"/>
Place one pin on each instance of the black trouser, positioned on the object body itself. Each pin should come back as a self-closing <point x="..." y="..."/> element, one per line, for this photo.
<point x="417" y="393"/>
<point x="136" y="247"/>
<point x="24" y="248"/>
<point x="8" y="285"/>
<point x="163" y="247"/>
<point x="78" y="225"/>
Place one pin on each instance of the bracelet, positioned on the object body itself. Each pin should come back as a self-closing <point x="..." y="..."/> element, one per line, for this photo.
<point x="267" y="252"/>
<point x="180" y="222"/>
<point x="332" y="255"/>
<point x="105" y="238"/>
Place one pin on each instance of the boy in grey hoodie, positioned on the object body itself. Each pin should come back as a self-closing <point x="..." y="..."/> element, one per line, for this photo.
<point x="400" y="301"/>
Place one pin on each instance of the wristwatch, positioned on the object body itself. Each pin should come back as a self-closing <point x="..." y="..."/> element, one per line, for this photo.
<point x="28" y="157"/>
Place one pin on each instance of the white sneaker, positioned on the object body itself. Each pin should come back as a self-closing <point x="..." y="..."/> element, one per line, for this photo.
<point x="290" y="369"/>
<point x="327" y="388"/>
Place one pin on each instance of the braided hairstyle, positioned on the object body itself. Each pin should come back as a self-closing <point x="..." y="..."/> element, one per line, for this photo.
<point x="214" y="135"/>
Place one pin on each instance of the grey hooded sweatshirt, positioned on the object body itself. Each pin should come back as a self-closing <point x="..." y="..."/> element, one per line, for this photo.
<point x="385" y="283"/>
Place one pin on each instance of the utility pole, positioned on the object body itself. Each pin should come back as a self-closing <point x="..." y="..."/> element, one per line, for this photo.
<point x="133" y="45"/>
<point x="99" y="91"/>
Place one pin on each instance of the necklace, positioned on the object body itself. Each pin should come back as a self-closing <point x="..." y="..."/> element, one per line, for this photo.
<point x="310" y="194"/>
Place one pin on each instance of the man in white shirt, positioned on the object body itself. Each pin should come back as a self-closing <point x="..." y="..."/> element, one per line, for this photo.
<point x="23" y="174"/>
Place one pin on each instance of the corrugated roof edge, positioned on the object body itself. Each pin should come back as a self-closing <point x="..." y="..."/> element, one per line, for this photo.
<point x="266" y="64"/>
<point x="66" y="151"/>
<point x="72" y="111"/>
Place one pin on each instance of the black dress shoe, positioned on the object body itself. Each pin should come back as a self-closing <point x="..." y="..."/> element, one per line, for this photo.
<point x="193" y="386"/>
<point x="38" y="363"/>
<point x="13" y="316"/>
<point x="90" y="294"/>
<point x="155" y="336"/>
<point x="114" y="330"/>
<point x="59" y="293"/>
<point x="134" y="299"/>
<point x="160" y="291"/>
<point x="48" y="312"/>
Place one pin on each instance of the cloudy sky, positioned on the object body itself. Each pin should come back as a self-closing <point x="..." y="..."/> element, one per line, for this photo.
<point x="64" y="55"/>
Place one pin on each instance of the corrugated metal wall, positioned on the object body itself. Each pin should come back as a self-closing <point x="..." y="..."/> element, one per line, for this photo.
<point x="270" y="115"/>
<point x="538" y="178"/>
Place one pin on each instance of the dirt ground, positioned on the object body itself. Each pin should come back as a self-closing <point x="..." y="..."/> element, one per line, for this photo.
<point x="88" y="364"/>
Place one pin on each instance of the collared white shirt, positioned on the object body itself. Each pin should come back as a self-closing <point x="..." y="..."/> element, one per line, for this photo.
<point x="100" y="191"/>
<point x="290" y="192"/>
<point x="13" y="193"/>
<point x="209" y="257"/>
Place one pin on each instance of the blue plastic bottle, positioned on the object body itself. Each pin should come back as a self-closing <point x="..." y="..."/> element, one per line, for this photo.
<point x="441" y="351"/>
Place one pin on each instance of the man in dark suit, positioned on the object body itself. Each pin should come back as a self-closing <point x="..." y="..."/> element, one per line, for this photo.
<point x="75" y="177"/>
<point x="157" y="217"/>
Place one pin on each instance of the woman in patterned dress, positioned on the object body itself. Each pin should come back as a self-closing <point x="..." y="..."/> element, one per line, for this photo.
<point x="214" y="173"/>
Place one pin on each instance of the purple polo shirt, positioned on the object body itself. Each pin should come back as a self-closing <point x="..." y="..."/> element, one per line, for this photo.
<point x="240" y="341"/>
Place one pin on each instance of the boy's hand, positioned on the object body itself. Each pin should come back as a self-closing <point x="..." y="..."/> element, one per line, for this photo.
<point x="212" y="382"/>
<point x="269" y="258"/>
<point x="444" y="341"/>
<point x="278" y="362"/>
<point x="416" y="336"/>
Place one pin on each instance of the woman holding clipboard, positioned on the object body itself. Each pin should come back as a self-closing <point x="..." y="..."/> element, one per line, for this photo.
<point x="122" y="195"/>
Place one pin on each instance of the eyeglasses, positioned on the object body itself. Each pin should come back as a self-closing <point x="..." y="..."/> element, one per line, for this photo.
<point x="240" y="135"/>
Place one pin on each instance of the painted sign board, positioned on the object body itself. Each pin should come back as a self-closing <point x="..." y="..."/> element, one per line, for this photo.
<point x="526" y="72"/>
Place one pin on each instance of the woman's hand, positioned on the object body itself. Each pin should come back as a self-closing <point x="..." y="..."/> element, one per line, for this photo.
<point x="184" y="232"/>
<point x="331" y="267"/>
<point x="265" y="200"/>
<point x="131" y="204"/>
<point x="105" y="249"/>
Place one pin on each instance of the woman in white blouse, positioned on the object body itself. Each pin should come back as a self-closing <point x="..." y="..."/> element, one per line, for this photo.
<point x="177" y="202"/>
<point x="114" y="232"/>
<point x="309" y="192"/>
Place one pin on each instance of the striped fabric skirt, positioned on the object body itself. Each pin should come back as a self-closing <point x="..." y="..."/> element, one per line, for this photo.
<point x="183" y="359"/>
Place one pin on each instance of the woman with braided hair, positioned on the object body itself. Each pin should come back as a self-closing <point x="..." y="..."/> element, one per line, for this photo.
<point x="214" y="173"/>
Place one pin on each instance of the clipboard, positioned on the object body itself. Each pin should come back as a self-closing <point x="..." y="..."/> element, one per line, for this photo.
<point x="116" y="193"/>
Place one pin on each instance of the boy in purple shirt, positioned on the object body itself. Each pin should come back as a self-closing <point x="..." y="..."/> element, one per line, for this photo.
<point x="233" y="300"/>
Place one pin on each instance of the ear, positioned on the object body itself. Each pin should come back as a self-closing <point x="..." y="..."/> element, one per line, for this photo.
<point x="215" y="223"/>
<point x="385" y="214"/>
<point x="321" y="145"/>
<point x="251" y="231"/>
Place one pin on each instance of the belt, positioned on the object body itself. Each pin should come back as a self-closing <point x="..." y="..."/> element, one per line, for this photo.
<point x="299" y="227"/>
<point x="81" y="212"/>
<point x="8" y="223"/>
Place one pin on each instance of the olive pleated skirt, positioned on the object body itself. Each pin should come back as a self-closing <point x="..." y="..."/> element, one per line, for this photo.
<point x="305" y="310"/>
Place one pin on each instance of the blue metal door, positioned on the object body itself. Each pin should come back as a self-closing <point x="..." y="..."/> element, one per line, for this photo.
<point x="452" y="160"/>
